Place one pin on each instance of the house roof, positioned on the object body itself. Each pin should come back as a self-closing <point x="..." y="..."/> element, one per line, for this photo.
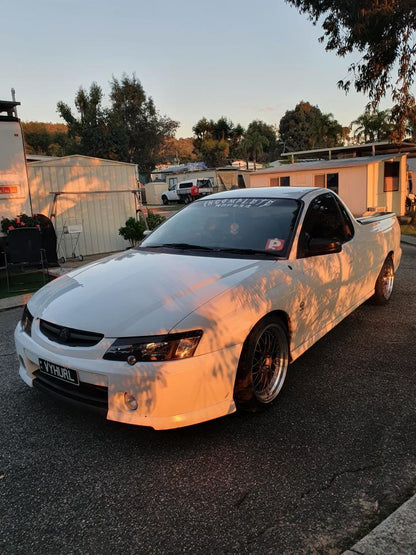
<point x="74" y="158"/>
<point x="327" y="164"/>
<point x="364" y="149"/>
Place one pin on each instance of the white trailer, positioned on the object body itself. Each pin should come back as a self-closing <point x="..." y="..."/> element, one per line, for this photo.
<point x="14" y="188"/>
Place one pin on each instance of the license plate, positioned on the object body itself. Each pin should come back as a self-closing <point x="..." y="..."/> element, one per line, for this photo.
<point x="59" y="372"/>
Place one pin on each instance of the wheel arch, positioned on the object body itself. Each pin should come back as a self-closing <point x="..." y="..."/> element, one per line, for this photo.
<point x="285" y="318"/>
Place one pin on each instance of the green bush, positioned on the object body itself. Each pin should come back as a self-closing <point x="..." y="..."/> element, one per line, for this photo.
<point x="153" y="220"/>
<point x="133" y="231"/>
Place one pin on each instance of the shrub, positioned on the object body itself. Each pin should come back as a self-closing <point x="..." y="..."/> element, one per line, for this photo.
<point x="153" y="220"/>
<point x="133" y="230"/>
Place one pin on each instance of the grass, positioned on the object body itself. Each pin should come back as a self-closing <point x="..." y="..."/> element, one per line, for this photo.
<point x="166" y="208"/>
<point x="21" y="283"/>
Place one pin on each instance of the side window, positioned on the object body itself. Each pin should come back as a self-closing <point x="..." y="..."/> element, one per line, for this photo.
<point x="391" y="176"/>
<point x="185" y="185"/>
<point x="348" y="227"/>
<point x="323" y="220"/>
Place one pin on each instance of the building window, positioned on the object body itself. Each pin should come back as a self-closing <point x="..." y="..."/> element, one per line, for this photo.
<point x="329" y="181"/>
<point x="280" y="181"/>
<point x="172" y="181"/>
<point x="332" y="182"/>
<point x="391" y="176"/>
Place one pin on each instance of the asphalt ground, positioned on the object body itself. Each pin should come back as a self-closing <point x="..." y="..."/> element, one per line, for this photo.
<point x="313" y="474"/>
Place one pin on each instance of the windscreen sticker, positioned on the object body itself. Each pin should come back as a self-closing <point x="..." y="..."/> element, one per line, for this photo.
<point x="275" y="244"/>
<point x="239" y="202"/>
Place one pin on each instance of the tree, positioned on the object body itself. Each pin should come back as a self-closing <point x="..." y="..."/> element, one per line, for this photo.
<point x="135" y="115"/>
<point x="259" y="139"/>
<point x="306" y="128"/>
<point x="89" y="132"/>
<point x="177" y="151"/>
<point x="48" y="139"/>
<point x="213" y="140"/>
<point x="373" y="126"/>
<point x="130" y="130"/>
<point x="384" y="32"/>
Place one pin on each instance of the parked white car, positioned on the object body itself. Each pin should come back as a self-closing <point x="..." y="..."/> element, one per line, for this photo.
<point x="206" y="315"/>
<point x="182" y="191"/>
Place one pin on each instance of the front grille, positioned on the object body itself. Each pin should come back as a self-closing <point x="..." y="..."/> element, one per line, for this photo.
<point x="69" y="336"/>
<point x="90" y="395"/>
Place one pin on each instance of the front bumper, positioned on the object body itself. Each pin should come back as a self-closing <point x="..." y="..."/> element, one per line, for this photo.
<point x="169" y="394"/>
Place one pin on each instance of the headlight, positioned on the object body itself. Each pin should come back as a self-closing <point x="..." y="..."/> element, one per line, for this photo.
<point x="26" y="321"/>
<point x="172" y="346"/>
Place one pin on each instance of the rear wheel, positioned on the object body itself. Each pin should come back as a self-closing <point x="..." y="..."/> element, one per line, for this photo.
<point x="384" y="283"/>
<point x="263" y="365"/>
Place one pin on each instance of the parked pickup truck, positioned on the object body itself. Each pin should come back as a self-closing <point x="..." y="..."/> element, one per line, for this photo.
<point x="181" y="192"/>
<point x="233" y="288"/>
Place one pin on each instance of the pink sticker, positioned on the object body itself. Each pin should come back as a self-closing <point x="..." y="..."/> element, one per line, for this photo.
<point x="275" y="244"/>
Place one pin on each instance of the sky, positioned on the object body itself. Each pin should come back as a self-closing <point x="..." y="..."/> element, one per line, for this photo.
<point x="232" y="58"/>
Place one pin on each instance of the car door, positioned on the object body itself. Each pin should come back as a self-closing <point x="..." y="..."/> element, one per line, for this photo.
<point x="322" y="274"/>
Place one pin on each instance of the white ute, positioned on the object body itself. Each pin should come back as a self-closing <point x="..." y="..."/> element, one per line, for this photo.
<point x="181" y="192"/>
<point x="206" y="315"/>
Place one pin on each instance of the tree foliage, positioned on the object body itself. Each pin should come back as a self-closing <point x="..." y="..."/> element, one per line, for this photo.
<point x="372" y="126"/>
<point x="47" y="139"/>
<point x="129" y="130"/>
<point x="135" y="116"/>
<point x="259" y="143"/>
<point x="306" y="128"/>
<point x="383" y="31"/>
<point x="89" y="132"/>
<point x="216" y="141"/>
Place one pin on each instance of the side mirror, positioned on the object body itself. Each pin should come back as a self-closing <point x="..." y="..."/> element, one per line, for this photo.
<point x="147" y="232"/>
<point x="320" y="246"/>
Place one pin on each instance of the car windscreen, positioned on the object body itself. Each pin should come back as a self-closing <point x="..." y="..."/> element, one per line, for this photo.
<point x="260" y="225"/>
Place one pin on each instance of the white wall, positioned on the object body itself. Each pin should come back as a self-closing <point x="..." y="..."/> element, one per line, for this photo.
<point x="99" y="206"/>
<point x="13" y="175"/>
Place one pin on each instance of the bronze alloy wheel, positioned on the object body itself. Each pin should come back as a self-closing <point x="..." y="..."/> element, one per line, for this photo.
<point x="263" y="364"/>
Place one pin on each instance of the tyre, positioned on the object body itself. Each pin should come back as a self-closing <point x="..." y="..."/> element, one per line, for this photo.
<point x="187" y="199"/>
<point x="165" y="200"/>
<point x="263" y="365"/>
<point x="384" y="283"/>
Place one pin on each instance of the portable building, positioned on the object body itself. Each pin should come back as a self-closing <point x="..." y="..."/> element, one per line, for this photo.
<point x="364" y="183"/>
<point x="14" y="190"/>
<point x="91" y="197"/>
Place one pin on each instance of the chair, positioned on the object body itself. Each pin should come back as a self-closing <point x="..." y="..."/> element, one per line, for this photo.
<point x="24" y="250"/>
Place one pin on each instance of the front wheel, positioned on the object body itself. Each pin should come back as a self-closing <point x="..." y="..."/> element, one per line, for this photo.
<point x="263" y="365"/>
<point x="384" y="283"/>
<point x="165" y="200"/>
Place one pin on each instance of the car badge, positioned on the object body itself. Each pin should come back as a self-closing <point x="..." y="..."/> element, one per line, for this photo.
<point x="64" y="335"/>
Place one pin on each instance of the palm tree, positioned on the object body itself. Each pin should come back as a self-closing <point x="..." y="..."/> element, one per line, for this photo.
<point x="373" y="126"/>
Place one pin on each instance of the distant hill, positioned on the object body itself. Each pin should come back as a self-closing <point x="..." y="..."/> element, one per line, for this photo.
<point x="46" y="139"/>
